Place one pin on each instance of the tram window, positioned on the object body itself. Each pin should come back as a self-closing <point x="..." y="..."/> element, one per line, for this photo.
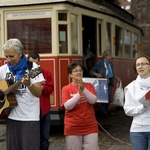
<point x="74" y="34"/>
<point x="34" y="34"/>
<point x="118" y="42"/>
<point x="62" y="16"/>
<point x="108" y="38"/>
<point x="100" y="39"/>
<point x="135" y="45"/>
<point x="63" y="48"/>
<point x="127" y="44"/>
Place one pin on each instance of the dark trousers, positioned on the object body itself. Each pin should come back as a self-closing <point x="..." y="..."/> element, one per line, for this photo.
<point x="105" y="106"/>
<point x="22" y="135"/>
<point x="44" y="131"/>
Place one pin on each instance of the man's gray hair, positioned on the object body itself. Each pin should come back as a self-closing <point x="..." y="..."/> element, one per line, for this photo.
<point x="15" y="44"/>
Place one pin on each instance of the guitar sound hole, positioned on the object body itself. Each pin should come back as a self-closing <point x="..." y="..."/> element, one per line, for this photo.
<point x="10" y="81"/>
<point x="2" y="101"/>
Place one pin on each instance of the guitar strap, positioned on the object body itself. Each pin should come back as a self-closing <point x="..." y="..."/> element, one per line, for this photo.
<point x="29" y="65"/>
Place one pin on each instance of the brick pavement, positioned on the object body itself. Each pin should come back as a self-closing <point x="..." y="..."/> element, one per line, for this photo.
<point x="114" y="132"/>
<point x="117" y="138"/>
<point x="2" y="136"/>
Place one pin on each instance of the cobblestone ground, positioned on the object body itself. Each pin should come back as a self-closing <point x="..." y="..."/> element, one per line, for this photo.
<point x="2" y="137"/>
<point x="113" y="134"/>
<point x="114" y="131"/>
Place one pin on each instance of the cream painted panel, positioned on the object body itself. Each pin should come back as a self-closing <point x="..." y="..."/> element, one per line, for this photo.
<point x="15" y="2"/>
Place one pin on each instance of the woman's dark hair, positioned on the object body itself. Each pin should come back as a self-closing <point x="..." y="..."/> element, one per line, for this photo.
<point x="134" y="65"/>
<point x="73" y="66"/>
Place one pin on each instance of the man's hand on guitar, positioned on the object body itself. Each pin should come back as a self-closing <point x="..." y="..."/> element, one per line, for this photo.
<point x="26" y="81"/>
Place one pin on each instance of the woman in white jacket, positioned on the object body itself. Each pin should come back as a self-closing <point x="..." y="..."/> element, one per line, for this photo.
<point x="137" y="104"/>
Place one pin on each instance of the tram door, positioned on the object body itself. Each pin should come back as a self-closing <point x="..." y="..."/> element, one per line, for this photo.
<point x="89" y="43"/>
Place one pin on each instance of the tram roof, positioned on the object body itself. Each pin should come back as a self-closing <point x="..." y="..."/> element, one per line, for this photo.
<point x="102" y="6"/>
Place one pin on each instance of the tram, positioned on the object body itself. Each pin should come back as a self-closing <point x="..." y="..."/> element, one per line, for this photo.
<point x="63" y="31"/>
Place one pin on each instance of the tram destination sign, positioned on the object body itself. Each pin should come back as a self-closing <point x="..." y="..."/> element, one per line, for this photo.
<point x="30" y="14"/>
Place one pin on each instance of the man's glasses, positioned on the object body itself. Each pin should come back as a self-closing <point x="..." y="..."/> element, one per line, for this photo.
<point x="142" y="64"/>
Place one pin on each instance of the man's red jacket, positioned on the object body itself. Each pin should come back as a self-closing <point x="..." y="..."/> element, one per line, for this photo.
<point x="48" y="88"/>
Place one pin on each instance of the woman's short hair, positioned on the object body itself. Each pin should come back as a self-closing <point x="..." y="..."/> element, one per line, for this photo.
<point x="106" y="53"/>
<point x="15" y="44"/>
<point x="73" y="66"/>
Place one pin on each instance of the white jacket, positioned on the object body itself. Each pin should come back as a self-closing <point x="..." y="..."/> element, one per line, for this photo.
<point x="137" y="106"/>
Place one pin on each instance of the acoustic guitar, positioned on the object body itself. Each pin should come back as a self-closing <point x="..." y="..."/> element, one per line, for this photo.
<point x="7" y="99"/>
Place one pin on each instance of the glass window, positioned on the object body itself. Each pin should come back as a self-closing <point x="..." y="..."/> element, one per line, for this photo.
<point x="34" y="34"/>
<point x="62" y="16"/>
<point x="135" y="45"/>
<point x="127" y="7"/>
<point x="118" y="41"/>
<point x="108" y="38"/>
<point x="74" y="34"/>
<point x="63" y="45"/>
<point x="100" y="39"/>
<point x="127" y="44"/>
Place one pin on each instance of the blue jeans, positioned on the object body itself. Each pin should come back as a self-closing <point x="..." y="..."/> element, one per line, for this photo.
<point x="140" y="140"/>
<point x="44" y="131"/>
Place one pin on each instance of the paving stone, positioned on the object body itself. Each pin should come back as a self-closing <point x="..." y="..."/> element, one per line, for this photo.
<point x="113" y="136"/>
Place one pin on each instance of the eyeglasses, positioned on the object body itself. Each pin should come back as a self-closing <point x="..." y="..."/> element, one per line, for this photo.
<point x="142" y="64"/>
<point x="80" y="70"/>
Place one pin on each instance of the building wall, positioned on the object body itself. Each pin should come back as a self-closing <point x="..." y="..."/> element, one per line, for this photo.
<point x="125" y="4"/>
<point x="141" y="11"/>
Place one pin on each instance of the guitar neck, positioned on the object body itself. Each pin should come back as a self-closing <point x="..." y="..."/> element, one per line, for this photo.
<point x="32" y="74"/>
<point x="12" y="87"/>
